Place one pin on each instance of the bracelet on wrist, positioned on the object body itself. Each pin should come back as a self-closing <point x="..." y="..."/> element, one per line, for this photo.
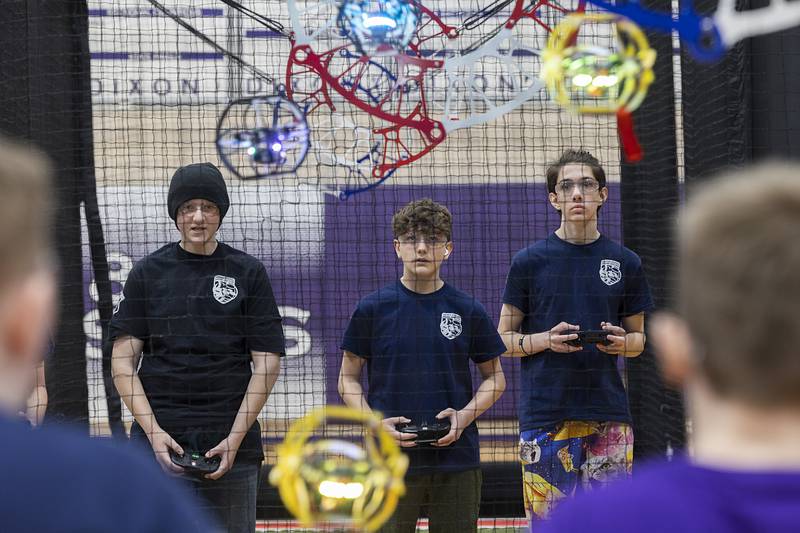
<point x="522" y="344"/>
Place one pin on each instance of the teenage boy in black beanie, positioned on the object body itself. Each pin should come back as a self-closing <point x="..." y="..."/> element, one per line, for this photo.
<point x="200" y="312"/>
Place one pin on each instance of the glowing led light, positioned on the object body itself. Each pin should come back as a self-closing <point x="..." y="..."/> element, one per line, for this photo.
<point x="604" y="81"/>
<point x="276" y="147"/>
<point x="379" y="21"/>
<point x="335" y="489"/>
<point x="379" y="27"/>
<point x="582" y="80"/>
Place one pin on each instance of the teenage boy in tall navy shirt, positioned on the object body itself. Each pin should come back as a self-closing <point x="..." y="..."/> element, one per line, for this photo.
<point x="573" y="410"/>
<point x="204" y="318"/>
<point x="417" y="337"/>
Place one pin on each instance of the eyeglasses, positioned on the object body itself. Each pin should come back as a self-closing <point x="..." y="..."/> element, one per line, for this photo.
<point x="207" y="209"/>
<point x="429" y="240"/>
<point x="585" y="185"/>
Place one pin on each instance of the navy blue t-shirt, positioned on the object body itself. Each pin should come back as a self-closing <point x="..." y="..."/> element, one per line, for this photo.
<point x="54" y="479"/>
<point x="553" y="281"/>
<point x="681" y="496"/>
<point x="418" y="348"/>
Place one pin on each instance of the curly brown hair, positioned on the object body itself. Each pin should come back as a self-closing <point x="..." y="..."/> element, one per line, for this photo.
<point x="423" y="215"/>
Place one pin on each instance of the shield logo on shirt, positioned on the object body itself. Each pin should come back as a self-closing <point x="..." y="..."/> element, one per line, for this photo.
<point x="225" y="290"/>
<point x="610" y="272"/>
<point x="116" y="307"/>
<point x="451" y="325"/>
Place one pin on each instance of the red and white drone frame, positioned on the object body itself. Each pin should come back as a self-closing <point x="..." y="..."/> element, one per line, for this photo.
<point x="463" y="91"/>
<point x="403" y="102"/>
<point x="465" y="104"/>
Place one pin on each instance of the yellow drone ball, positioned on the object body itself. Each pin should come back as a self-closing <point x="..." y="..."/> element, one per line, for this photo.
<point x="585" y="76"/>
<point x="323" y="479"/>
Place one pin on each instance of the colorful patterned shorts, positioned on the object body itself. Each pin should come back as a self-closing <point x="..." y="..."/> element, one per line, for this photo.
<point x="558" y="459"/>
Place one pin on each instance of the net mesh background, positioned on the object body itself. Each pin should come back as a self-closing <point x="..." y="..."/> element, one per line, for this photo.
<point x="158" y="91"/>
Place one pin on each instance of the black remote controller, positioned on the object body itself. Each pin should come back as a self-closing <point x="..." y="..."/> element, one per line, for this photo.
<point x="426" y="433"/>
<point x="195" y="463"/>
<point x="589" y="336"/>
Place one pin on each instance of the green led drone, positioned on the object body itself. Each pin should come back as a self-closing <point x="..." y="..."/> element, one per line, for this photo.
<point x="587" y="77"/>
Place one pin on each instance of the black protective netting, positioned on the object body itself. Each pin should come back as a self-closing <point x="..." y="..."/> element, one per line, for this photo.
<point x="121" y="94"/>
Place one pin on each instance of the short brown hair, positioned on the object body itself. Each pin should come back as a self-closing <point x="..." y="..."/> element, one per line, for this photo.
<point x="423" y="215"/>
<point x="24" y="209"/>
<point x="739" y="283"/>
<point x="580" y="157"/>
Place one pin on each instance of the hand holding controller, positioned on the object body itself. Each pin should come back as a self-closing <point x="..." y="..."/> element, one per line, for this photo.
<point x="195" y="463"/>
<point x="590" y="336"/>
<point x="426" y="433"/>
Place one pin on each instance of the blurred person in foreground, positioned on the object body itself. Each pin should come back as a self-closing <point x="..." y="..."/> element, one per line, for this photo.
<point x="54" y="479"/>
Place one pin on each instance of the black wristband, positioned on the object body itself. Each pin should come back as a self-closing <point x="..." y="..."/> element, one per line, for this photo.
<point x="521" y="346"/>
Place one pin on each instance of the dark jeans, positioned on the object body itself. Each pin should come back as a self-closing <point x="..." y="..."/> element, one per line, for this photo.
<point x="452" y="500"/>
<point x="231" y="498"/>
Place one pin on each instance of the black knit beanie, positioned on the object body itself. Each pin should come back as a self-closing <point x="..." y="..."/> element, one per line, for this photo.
<point x="198" y="180"/>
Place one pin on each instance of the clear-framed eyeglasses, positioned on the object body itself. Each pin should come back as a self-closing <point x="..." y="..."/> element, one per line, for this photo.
<point x="430" y="239"/>
<point x="584" y="185"/>
<point x="206" y="208"/>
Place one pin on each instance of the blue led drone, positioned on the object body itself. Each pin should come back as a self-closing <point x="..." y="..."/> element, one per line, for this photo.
<point x="262" y="136"/>
<point x="379" y="27"/>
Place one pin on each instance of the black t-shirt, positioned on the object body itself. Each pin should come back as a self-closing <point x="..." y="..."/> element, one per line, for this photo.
<point x="199" y="317"/>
